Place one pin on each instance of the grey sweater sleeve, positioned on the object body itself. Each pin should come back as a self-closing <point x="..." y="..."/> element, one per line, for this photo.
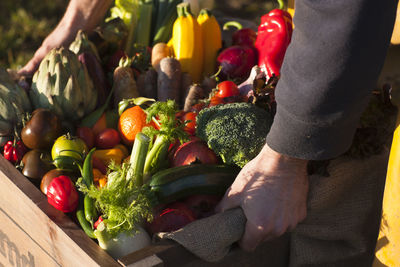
<point x="333" y="62"/>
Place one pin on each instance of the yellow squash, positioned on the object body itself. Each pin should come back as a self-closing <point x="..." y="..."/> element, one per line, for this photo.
<point x="187" y="42"/>
<point x="212" y="40"/>
<point x="388" y="244"/>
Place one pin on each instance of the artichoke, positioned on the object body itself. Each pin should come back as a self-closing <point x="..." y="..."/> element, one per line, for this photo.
<point x="63" y="85"/>
<point x="14" y="103"/>
<point x="82" y="44"/>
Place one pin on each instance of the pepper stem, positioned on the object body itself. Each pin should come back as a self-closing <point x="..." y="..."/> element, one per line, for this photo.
<point x="232" y="23"/>
<point x="281" y="4"/>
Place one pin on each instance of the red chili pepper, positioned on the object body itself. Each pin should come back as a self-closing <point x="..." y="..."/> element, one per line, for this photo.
<point x="14" y="151"/>
<point x="62" y="195"/>
<point x="99" y="220"/>
<point x="274" y="34"/>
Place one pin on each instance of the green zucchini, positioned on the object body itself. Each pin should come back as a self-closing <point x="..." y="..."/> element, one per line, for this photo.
<point x="179" y="182"/>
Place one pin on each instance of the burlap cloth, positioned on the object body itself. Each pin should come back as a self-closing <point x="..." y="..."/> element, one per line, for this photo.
<point x="341" y="227"/>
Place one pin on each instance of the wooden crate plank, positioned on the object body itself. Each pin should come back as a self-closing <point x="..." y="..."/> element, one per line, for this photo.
<point x="54" y="231"/>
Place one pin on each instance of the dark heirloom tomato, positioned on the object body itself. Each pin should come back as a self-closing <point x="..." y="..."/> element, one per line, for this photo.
<point x="41" y="130"/>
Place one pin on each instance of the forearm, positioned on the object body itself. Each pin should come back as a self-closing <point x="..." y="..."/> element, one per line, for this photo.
<point x="85" y="14"/>
<point x="337" y="51"/>
<point x="82" y="14"/>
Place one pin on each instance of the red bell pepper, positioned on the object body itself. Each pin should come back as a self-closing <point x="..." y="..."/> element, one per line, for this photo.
<point x="274" y="34"/>
<point x="13" y="151"/>
<point x="62" y="195"/>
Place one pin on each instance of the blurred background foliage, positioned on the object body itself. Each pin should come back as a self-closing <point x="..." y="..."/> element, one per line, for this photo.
<point x="25" y="23"/>
<point x="23" y="26"/>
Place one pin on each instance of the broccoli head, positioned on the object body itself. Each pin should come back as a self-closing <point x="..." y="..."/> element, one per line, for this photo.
<point x="236" y="131"/>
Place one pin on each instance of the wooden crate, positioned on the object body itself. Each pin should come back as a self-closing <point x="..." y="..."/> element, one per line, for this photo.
<point x="33" y="233"/>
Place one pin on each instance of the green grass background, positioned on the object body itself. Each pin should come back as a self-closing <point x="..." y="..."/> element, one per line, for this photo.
<point x="23" y="26"/>
<point x="25" y="23"/>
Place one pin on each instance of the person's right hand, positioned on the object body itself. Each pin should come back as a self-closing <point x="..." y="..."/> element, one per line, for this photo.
<point x="80" y="14"/>
<point x="272" y="191"/>
<point x="61" y="36"/>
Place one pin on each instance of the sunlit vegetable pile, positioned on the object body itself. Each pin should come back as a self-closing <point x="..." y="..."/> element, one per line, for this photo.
<point x="141" y="126"/>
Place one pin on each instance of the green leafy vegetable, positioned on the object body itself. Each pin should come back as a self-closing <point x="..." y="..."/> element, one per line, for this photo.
<point x="124" y="205"/>
<point x="170" y="129"/>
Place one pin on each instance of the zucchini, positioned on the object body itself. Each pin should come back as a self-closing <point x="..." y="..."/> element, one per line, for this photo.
<point x="179" y="182"/>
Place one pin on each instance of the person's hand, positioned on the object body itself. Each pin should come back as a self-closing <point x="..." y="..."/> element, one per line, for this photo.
<point x="61" y="36"/>
<point x="272" y="190"/>
<point x="80" y="14"/>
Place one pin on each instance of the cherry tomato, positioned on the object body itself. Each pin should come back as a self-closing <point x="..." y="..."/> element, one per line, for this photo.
<point x="227" y="89"/>
<point x="108" y="138"/>
<point x="215" y="100"/>
<point x="197" y="107"/>
<point x="190" y="127"/>
<point x="87" y="135"/>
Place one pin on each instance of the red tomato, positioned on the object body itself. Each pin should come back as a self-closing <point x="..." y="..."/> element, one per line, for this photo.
<point x="215" y="100"/>
<point x="197" y="107"/>
<point x="87" y="135"/>
<point x="108" y="138"/>
<point x="190" y="127"/>
<point x="227" y="89"/>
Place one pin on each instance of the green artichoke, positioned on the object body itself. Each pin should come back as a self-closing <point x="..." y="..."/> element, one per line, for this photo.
<point x="63" y="85"/>
<point x="14" y="103"/>
<point x="83" y="44"/>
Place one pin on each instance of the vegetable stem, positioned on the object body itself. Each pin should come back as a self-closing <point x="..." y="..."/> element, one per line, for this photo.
<point x="281" y="4"/>
<point x="233" y="23"/>
<point x="138" y="158"/>
<point x="157" y="154"/>
<point x="102" y="236"/>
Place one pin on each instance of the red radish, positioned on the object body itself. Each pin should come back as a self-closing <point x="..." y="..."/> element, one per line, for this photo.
<point x="236" y="61"/>
<point x="171" y="218"/>
<point x="194" y="151"/>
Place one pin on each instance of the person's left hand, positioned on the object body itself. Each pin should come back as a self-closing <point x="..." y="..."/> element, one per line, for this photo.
<point x="272" y="191"/>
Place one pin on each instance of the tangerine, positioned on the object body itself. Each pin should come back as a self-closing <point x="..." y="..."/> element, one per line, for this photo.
<point x="131" y="122"/>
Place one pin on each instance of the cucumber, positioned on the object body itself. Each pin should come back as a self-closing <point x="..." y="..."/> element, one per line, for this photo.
<point x="179" y="182"/>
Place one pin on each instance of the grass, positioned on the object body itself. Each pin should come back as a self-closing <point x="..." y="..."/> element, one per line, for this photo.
<point x="23" y="27"/>
<point x="24" y="24"/>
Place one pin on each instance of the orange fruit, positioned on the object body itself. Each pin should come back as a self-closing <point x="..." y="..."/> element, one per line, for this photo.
<point x="131" y="122"/>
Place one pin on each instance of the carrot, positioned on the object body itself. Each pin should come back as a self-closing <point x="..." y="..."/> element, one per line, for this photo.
<point x="159" y="51"/>
<point x="124" y="84"/>
<point x="169" y="79"/>
<point x="196" y="92"/>
<point x="147" y="83"/>
<point x="186" y="83"/>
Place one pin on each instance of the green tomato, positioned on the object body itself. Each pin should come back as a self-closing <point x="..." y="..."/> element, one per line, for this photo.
<point x="69" y="146"/>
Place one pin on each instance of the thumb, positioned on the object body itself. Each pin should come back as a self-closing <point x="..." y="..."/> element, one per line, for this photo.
<point x="229" y="201"/>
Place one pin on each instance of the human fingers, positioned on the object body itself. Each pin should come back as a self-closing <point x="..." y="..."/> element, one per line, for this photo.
<point x="229" y="201"/>
<point x="33" y="64"/>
